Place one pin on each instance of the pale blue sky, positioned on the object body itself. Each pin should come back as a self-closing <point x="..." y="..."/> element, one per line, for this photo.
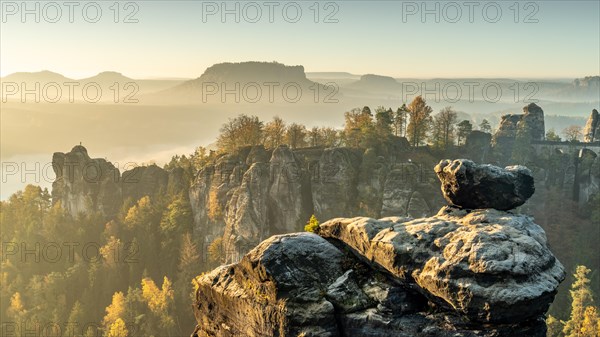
<point x="171" y="40"/>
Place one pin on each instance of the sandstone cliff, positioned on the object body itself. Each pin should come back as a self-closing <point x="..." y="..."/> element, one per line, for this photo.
<point x="466" y="271"/>
<point x="86" y="185"/>
<point x="250" y="195"/>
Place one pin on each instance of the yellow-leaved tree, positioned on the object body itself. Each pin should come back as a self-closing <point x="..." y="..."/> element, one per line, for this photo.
<point x="312" y="225"/>
<point x="420" y="120"/>
<point x="590" y="324"/>
<point x="16" y="310"/>
<point x="159" y="300"/>
<point x="582" y="307"/>
<point x="118" y="329"/>
<point x="114" y="311"/>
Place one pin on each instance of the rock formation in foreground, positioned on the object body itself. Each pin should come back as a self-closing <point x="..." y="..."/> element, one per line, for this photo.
<point x="467" y="271"/>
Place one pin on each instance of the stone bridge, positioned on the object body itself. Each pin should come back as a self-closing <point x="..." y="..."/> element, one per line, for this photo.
<point x="544" y="146"/>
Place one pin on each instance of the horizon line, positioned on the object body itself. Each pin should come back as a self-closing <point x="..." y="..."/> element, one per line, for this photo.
<point x="180" y="78"/>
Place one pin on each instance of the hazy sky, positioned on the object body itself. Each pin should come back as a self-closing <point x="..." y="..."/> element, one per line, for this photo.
<point x="182" y="38"/>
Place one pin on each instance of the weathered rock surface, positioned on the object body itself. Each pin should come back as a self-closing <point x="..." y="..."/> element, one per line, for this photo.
<point x="326" y="182"/>
<point x="209" y="194"/>
<point x="303" y="285"/>
<point x="487" y="264"/>
<point x="334" y="187"/>
<point x="86" y="185"/>
<point x="533" y="120"/>
<point x="529" y="124"/>
<point x="276" y="289"/>
<point x="289" y="191"/>
<point x="591" y="132"/>
<point x="144" y="180"/>
<point x="247" y="212"/>
<point x="478" y="145"/>
<point x="459" y="273"/>
<point x="462" y="272"/>
<point x="589" y="178"/>
<point x="468" y="185"/>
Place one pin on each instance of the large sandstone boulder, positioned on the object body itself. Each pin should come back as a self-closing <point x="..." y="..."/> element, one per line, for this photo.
<point x="468" y="185"/>
<point x="304" y="285"/>
<point x="489" y="265"/>
<point x="277" y="289"/>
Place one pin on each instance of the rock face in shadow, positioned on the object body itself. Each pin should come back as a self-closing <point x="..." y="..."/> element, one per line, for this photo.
<point x="144" y="180"/>
<point x="478" y="145"/>
<point x="460" y="273"/>
<point x="530" y="124"/>
<point x="246" y="211"/>
<point x="469" y="185"/>
<point x="289" y="191"/>
<point x="232" y="198"/>
<point x="260" y="296"/>
<point x="533" y="120"/>
<point x="335" y="186"/>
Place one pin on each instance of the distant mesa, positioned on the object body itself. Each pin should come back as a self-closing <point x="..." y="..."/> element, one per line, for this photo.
<point x="376" y="83"/>
<point x="332" y="75"/>
<point x="44" y="76"/>
<point x="378" y="79"/>
<point x="245" y="72"/>
<point x="251" y="82"/>
<point x="108" y="76"/>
